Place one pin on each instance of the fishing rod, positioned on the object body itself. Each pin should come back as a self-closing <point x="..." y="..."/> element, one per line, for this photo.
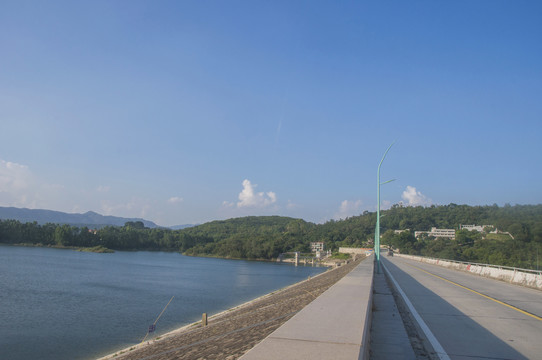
<point x="153" y="326"/>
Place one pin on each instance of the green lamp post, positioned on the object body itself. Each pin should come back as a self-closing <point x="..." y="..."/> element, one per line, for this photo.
<point x="377" y="229"/>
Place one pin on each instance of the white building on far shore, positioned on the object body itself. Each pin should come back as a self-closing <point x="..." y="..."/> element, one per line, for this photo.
<point x="442" y="233"/>
<point x="317" y="246"/>
<point x="479" y="228"/>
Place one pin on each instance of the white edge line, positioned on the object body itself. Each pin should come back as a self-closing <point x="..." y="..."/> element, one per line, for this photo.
<point x="432" y="339"/>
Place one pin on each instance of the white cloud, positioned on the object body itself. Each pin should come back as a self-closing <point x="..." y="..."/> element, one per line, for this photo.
<point x="175" y="200"/>
<point x="249" y="198"/>
<point x="16" y="185"/>
<point x="20" y="187"/>
<point x="348" y="208"/>
<point x="13" y="176"/>
<point x="414" y="197"/>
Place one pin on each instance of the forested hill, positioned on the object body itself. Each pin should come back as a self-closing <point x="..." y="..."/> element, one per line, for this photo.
<point x="523" y="221"/>
<point x="257" y="237"/>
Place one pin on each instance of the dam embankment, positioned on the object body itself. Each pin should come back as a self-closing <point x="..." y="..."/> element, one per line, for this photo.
<point x="232" y="333"/>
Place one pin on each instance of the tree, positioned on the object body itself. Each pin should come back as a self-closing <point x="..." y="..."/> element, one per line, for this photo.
<point x="63" y="235"/>
<point x="467" y="238"/>
<point x="135" y="225"/>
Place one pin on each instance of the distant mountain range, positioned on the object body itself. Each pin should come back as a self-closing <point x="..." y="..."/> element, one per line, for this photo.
<point x="89" y="219"/>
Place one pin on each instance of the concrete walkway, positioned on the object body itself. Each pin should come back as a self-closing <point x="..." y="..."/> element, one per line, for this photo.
<point x="389" y="339"/>
<point x="334" y="326"/>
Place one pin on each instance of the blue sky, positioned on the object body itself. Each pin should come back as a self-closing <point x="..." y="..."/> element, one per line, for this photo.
<point x="190" y="111"/>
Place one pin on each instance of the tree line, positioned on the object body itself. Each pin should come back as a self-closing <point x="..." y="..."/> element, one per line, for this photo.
<point x="265" y="237"/>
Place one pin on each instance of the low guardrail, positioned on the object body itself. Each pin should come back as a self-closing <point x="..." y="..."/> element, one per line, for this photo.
<point x="525" y="277"/>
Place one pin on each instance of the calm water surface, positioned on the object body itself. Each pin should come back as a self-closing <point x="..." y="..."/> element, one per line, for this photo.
<point x="63" y="304"/>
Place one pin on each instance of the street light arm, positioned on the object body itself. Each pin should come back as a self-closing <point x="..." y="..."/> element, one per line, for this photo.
<point x="389" y="181"/>
<point x="386" y="153"/>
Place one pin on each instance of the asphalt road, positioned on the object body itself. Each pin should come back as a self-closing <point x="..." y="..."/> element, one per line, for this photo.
<point x="472" y="317"/>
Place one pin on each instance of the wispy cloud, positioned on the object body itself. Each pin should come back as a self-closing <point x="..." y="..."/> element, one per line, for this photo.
<point x="228" y="204"/>
<point x="175" y="200"/>
<point x="413" y="197"/>
<point x="249" y="198"/>
<point x="279" y="127"/>
<point x="348" y="208"/>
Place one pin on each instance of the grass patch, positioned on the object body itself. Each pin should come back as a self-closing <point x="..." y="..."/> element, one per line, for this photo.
<point x="498" y="237"/>
<point x="340" y="256"/>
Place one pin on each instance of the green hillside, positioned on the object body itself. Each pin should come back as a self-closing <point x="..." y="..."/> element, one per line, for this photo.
<point x="265" y="237"/>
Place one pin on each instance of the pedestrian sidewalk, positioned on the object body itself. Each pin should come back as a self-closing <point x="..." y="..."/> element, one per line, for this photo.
<point x="334" y="326"/>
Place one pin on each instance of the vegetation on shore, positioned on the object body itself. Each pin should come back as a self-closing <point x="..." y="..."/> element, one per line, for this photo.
<point x="94" y="249"/>
<point x="265" y="237"/>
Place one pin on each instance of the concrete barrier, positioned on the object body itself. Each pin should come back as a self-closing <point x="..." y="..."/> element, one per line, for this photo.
<point x="524" y="277"/>
<point x="336" y="325"/>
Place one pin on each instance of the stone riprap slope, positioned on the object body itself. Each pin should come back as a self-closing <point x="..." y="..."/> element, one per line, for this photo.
<point x="230" y="334"/>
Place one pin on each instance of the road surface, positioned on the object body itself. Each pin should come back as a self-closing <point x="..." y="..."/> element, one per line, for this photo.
<point x="472" y="317"/>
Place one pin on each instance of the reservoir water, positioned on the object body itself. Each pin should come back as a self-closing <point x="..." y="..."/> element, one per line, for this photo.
<point x="64" y="304"/>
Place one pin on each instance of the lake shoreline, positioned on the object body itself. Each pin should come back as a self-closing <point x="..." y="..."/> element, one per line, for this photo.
<point x="329" y="263"/>
<point x="75" y="305"/>
<point x="102" y="249"/>
<point x="95" y="249"/>
<point x="221" y="317"/>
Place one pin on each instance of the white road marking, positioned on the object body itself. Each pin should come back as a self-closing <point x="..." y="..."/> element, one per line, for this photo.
<point x="432" y="339"/>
